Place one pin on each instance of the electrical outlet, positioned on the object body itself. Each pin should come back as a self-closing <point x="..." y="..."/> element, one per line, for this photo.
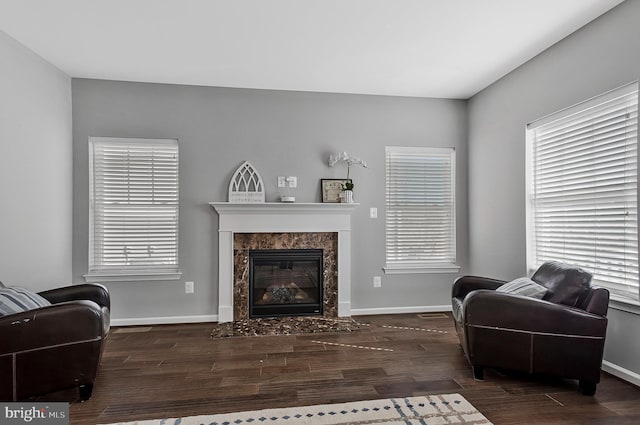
<point x="377" y="282"/>
<point x="293" y="181"/>
<point x="373" y="212"/>
<point x="189" y="287"/>
<point x="281" y="181"/>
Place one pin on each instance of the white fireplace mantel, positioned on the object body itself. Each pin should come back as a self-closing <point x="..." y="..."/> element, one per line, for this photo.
<point x="282" y="218"/>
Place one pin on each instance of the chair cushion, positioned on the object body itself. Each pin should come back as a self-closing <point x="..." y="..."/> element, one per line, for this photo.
<point x="456" y="309"/>
<point x="523" y="286"/>
<point x="567" y="284"/>
<point x="16" y="300"/>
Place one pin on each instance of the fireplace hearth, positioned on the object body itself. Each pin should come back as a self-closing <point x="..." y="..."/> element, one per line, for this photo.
<point x="285" y="282"/>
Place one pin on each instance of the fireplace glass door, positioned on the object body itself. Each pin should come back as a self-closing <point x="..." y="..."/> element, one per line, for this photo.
<point x="285" y="282"/>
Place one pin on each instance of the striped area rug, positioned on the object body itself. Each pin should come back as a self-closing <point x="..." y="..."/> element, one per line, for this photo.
<point x="424" y="410"/>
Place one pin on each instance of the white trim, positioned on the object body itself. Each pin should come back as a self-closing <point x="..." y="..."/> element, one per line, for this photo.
<point x="344" y="308"/>
<point x="225" y="313"/>
<point x="620" y="372"/>
<point x="344" y="273"/>
<point x="626" y="305"/>
<point x="419" y="149"/>
<point x="401" y="310"/>
<point x="132" y="140"/>
<point x="214" y="317"/>
<point x="530" y="252"/>
<point x="407" y="270"/>
<point x="277" y="208"/>
<point x="168" y="320"/>
<point x="584" y="105"/>
<point x="129" y="277"/>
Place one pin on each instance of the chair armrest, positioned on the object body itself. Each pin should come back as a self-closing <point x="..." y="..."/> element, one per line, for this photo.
<point x="86" y="291"/>
<point x="465" y="284"/>
<point x="515" y="312"/>
<point x="58" y="324"/>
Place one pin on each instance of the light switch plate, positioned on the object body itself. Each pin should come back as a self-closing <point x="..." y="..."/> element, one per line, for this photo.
<point x="281" y="181"/>
<point x="373" y="212"/>
<point x="189" y="287"/>
<point x="377" y="282"/>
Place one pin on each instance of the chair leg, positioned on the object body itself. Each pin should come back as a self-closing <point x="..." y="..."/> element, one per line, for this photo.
<point x="478" y="373"/>
<point x="85" y="391"/>
<point x="587" y="387"/>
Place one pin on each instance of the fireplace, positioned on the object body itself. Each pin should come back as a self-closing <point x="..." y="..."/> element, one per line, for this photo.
<point x="285" y="282"/>
<point x="243" y="227"/>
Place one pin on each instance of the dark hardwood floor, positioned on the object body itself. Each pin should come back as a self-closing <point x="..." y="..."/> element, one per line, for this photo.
<point x="177" y="370"/>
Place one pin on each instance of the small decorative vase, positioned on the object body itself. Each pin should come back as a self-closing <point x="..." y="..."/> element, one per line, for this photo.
<point x="347" y="196"/>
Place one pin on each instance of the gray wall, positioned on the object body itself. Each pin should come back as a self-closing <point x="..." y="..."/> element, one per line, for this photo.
<point x="35" y="170"/>
<point x="281" y="133"/>
<point x="601" y="56"/>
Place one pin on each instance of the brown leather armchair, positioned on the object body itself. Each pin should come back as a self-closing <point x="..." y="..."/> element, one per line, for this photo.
<point x="562" y="334"/>
<point x="57" y="347"/>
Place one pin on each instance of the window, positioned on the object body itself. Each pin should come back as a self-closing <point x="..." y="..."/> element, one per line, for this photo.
<point x="420" y="210"/>
<point x="582" y="190"/>
<point x="133" y="229"/>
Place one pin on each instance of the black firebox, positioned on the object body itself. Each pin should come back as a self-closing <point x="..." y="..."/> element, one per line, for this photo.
<point x="285" y="282"/>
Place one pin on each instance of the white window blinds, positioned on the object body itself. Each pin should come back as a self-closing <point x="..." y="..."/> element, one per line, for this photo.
<point x="582" y="185"/>
<point x="420" y="208"/>
<point x="134" y="206"/>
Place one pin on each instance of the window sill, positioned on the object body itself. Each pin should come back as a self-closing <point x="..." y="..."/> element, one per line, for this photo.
<point x="626" y="305"/>
<point x="450" y="268"/>
<point x="127" y="277"/>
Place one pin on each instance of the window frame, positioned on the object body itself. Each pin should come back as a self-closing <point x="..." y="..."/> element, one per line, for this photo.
<point x="424" y="266"/>
<point x="101" y="274"/>
<point x="532" y="261"/>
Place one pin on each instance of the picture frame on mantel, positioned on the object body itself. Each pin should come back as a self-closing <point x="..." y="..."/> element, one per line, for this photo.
<point x="331" y="189"/>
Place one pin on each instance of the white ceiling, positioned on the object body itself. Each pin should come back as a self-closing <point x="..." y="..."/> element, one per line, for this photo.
<point x="425" y="48"/>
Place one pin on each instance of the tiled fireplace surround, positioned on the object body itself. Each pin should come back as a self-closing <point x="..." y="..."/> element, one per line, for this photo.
<point x="287" y="226"/>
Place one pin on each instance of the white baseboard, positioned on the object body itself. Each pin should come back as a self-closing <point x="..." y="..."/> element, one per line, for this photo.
<point x="344" y="309"/>
<point x="621" y="372"/>
<point x="400" y="310"/>
<point x="225" y="313"/>
<point x="169" y="320"/>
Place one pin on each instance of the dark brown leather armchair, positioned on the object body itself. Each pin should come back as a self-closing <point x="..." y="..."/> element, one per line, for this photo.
<point x="562" y="334"/>
<point x="56" y="347"/>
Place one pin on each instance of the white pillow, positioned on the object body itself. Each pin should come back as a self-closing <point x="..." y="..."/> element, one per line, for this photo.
<point x="16" y="300"/>
<point x="524" y="286"/>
